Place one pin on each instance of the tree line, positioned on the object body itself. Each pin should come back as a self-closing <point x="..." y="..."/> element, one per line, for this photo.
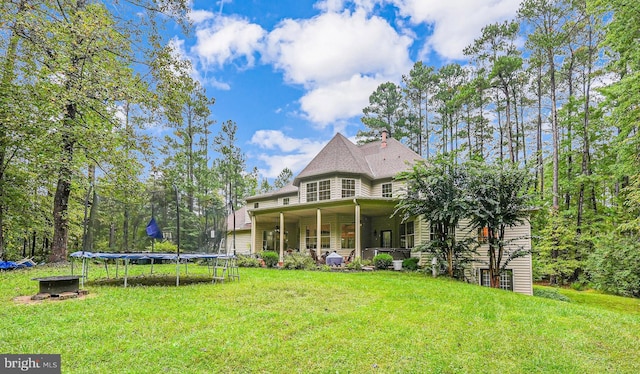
<point x="83" y="84"/>
<point x="554" y="91"/>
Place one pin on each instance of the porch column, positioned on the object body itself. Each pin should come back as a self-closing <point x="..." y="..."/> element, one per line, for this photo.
<point x="253" y="235"/>
<point x="358" y="232"/>
<point x="281" y="237"/>
<point x="318" y="232"/>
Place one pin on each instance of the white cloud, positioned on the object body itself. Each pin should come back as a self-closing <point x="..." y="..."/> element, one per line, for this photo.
<point x="456" y="23"/>
<point x="333" y="47"/>
<point x="227" y="39"/>
<point x="199" y="16"/>
<point x="344" y="99"/>
<point x="329" y="5"/>
<point x="340" y="58"/>
<point x="289" y="152"/>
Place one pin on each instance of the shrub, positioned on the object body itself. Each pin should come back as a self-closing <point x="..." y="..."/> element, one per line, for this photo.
<point x="550" y="294"/>
<point x="270" y="258"/>
<point x="410" y="263"/>
<point x="355" y="265"/>
<point x="325" y="268"/>
<point x="248" y="262"/>
<point x="580" y="285"/>
<point x="163" y="246"/>
<point x="382" y="261"/>
<point x="615" y="265"/>
<point x="298" y="261"/>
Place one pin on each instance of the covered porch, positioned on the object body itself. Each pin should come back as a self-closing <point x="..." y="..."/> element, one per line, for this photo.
<point x="364" y="226"/>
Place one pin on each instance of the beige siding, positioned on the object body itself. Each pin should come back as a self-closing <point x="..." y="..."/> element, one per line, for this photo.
<point x="293" y="199"/>
<point x="396" y="188"/>
<point x="243" y="242"/>
<point x="362" y="188"/>
<point x="365" y="189"/>
<point x="266" y="203"/>
<point x="521" y="267"/>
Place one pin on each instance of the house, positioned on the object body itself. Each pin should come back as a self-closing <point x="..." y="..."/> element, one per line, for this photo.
<point x="344" y="201"/>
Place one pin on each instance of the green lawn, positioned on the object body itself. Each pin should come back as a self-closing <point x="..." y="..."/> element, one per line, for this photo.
<point x="276" y="321"/>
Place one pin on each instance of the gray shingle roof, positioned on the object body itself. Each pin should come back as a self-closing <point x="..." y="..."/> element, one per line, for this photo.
<point x="338" y="156"/>
<point x="289" y="189"/>
<point x="241" y="220"/>
<point x="370" y="160"/>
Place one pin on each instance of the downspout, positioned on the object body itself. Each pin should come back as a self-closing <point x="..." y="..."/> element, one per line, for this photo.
<point x="358" y="231"/>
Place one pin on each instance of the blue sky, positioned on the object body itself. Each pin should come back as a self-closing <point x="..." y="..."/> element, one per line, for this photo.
<point x="292" y="73"/>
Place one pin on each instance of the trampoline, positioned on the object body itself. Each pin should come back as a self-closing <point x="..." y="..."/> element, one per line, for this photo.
<point x="222" y="266"/>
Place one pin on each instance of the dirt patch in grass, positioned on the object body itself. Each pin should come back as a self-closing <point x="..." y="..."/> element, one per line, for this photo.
<point x="28" y="300"/>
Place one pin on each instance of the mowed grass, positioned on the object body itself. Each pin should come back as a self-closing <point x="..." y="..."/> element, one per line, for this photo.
<point x="276" y="321"/>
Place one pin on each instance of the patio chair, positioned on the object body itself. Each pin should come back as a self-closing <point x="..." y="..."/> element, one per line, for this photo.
<point x="350" y="257"/>
<point x="313" y="254"/>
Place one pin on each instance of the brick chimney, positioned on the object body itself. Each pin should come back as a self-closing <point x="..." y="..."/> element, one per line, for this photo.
<point x="384" y="138"/>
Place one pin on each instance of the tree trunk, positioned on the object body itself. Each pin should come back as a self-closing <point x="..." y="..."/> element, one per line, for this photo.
<point x="540" y="168"/>
<point x="8" y="74"/>
<point x="93" y="212"/>
<point x="554" y="130"/>
<point x="63" y="191"/>
<point x="567" y="195"/>
<point x="33" y="243"/>
<point x="585" y="166"/>
<point x="508" y="123"/>
<point x="500" y="126"/>
<point x="125" y="229"/>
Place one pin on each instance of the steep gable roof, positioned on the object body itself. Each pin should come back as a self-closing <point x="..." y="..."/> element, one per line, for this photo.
<point x="338" y="156"/>
<point x="241" y="221"/>
<point x="375" y="160"/>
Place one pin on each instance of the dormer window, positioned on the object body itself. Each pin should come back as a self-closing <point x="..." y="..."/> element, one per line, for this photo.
<point x="324" y="190"/>
<point x="348" y="187"/>
<point x="312" y="191"/>
<point x="319" y="190"/>
<point x="387" y="190"/>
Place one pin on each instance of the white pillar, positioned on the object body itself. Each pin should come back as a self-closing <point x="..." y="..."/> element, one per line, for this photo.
<point x="318" y="232"/>
<point x="358" y="232"/>
<point x="253" y="235"/>
<point x="281" y="237"/>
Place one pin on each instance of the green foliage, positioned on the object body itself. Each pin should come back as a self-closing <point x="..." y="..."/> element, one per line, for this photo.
<point x="382" y="261"/>
<point x="498" y="200"/>
<point x="437" y="192"/>
<point x="248" y="261"/>
<point x="559" y="253"/>
<point x="550" y="294"/>
<point x="163" y="246"/>
<point x="270" y="258"/>
<point x="324" y="268"/>
<point x="298" y="261"/>
<point x="355" y="265"/>
<point x="614" y="267"/>
<point x="580" y="285"/>
<point x="283" y="179"/>
<point x="410" y="263"/>
<point x="384" y="112"/>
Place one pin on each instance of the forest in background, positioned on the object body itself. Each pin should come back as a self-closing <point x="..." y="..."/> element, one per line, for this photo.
<point x="555" y="91"/>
